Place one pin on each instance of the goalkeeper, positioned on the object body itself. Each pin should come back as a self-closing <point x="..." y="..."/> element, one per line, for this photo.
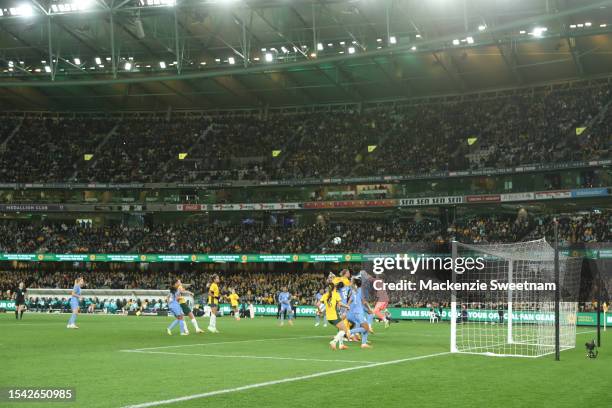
<point x="382" y="299"/>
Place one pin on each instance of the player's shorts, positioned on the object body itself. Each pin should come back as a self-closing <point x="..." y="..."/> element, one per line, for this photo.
<point x="211" y="305"/>
<point x="175" y="309"/>
<point x="286" y="309"/>
<point x="19" y="302"/>
<point x="235" y="306"/>
<point x="334" y="322"/>
<point x="185" y="308"/>
<point x="74" y="303"/>
<point x="357" y="318"/>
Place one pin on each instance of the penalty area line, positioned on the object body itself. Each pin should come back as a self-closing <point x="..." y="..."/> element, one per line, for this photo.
<point x="227" y="342"/>
<point x="283" y="381"/>
<point x="254" y="357"/>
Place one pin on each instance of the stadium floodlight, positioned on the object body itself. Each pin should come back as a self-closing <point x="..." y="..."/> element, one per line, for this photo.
<point x="482" y="27"/>
<point x="269" y="57"/>
<point x="392" y="40"/>
<point x="77" y="61"/>
<point x="572" y="25"/>
<point x="203" y="63"/>
<point x="11" y="64"/>
<point x="98" y="60"/>
<point x="47" y="69"/>
<point x="522" y="32"/>
<point x="128" y="66"/>
<point x="413" y="48"/>
<point x="379" y="40"/>
<point x="456" y="41"/>
<point x="284" y="49"/>
<point x="470" y="40"/>
<point x="539" y="31"/>
<point x="351" y="50"/>
<point x="23" y="10"/>
<point x="419" y="36"/>
<point x="580" y="25"/>
<point x="231" y="60"/>
<point x="587" y="24"/>
<point x="603" y="25"/>
<point x="320" y="47"/>
<point x="162" y="64"/>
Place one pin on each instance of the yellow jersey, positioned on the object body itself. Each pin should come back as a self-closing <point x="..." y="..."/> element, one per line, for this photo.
<point x="234" y="299"/>
<point x="342" y="279"/>
<point x="181" y="299"/>
<point x="330" y="305"/>
<point x="213" y="294"/>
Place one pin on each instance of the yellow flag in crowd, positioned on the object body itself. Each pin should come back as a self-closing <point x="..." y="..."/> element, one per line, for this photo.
<point x="276" y="153"/>
<point x="87" y="157"/>
<point x="182" y="156"/>
<point x="371" y="148"/>
<point x="579" y="130"/>
<point x="472" y="140"/>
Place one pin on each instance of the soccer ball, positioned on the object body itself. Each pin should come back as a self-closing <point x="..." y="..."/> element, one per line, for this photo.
<point x="337" y="241"/>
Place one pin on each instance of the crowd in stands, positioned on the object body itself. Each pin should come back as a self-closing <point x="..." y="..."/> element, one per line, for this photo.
<point x="319" y="237"/>
<point x="525" y="127"/>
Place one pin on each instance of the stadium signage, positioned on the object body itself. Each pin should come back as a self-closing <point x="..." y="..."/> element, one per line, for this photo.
<point x="351" y="204"/>
<point x="444" y="200"/>
<point x="518" y="196"/>
<point x="554" y="194"/>
<point x="483" y="198"/>
<point x="590" y="192"/>
<point x="247" y="258"/>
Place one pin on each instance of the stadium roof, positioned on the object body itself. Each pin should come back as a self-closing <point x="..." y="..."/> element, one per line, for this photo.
<point x="205" y="54"/>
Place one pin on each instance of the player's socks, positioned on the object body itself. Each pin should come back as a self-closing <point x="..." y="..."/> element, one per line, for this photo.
<point x="213" y="321"/>
<point x="16" y="315"/>
<point x="173" y="325"/>
<point x="21" y="315"/>
<point x="364" y="338"/>
<point x="194" y="322"/>
<point x="182" y="326"/>
<point x="339" y="337"/>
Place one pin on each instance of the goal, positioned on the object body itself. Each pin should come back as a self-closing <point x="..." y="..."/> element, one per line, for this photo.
<point x="516" y="314"/>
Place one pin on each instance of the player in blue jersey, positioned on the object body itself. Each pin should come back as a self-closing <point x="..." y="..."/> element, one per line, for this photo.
<point x="75" y="299"/>
<point x="320" y="312"/>
<point x="356" y="315"/>
<point x="284" y="300"/>
<point x="175" y="308"/>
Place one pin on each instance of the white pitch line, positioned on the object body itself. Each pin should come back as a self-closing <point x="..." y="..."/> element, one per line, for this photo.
<point x="228" y="342"/>
<point x="254" y="357"/>
<point x="283" y="381"/>
<point x="585" y="332"/>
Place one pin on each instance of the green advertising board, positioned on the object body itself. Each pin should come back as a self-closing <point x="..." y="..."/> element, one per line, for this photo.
<point x="244" y="258"/>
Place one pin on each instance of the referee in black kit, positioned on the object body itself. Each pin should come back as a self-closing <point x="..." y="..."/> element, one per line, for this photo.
<point x="19" y="296"/>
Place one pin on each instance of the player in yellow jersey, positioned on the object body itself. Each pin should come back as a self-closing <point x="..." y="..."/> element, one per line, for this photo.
<point x="233" y="298"/>
<point x="213" y="303"/>
<point x="343" y="286"/>
<point x="332" y="302"/>
<point x="185" y="307"/>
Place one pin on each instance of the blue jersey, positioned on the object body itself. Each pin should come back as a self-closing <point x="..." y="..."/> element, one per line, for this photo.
<point x="77" y="292"/>
<point x="174" y="297"/>
<point x="356" y="306"/>
<point x="318" y="297"/>
<point x="284" y="298"/>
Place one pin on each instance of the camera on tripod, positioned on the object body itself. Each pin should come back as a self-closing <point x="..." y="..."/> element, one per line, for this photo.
<point x="591" y="349"/>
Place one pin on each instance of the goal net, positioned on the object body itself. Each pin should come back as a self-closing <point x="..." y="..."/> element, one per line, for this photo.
<point x="515" y="314"/>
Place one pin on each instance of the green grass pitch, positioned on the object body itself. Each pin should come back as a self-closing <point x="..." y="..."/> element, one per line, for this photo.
<point x="40" y="351"/>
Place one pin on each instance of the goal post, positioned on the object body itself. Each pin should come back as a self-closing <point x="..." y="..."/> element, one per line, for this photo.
<point x="525" y="304"/>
